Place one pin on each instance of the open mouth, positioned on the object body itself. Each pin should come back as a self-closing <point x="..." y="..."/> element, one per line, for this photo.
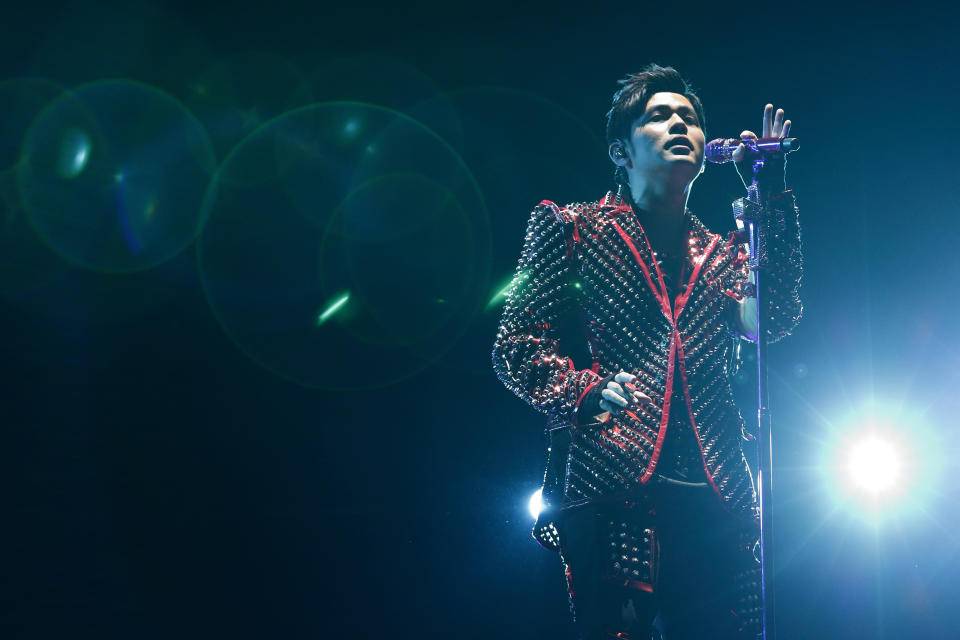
<point x="681" y="143"/>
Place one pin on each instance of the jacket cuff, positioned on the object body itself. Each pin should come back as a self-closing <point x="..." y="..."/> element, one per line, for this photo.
<point x="587" y="407"/>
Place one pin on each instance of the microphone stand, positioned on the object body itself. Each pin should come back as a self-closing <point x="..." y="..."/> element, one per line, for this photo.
<point x="755" y="219"/>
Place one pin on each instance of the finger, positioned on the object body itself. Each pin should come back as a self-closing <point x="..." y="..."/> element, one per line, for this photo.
<point x="786" y="129"/>
<point x="624" y="376"/>
<point x="636" y="395"/>
<point x="613" y="398"/>
<point x="740" y="152"/>
<point x="777" y="124"/>
<point x="613" y="386"/>
<point x="767" y="118"/>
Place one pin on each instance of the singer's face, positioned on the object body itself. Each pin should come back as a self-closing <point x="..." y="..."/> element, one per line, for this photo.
<point x="667" y="136"/>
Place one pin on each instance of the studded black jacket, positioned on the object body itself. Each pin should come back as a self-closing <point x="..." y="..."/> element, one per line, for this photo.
<point x="589" y="266"/>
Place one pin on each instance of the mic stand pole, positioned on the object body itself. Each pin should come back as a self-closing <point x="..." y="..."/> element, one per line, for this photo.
<point x="751" y="212"/>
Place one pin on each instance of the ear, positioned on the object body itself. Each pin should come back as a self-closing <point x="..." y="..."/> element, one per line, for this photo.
<point x="618" y="154"/>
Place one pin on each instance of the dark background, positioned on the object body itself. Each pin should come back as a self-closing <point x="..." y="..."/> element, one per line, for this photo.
<point x="157" y="482"/>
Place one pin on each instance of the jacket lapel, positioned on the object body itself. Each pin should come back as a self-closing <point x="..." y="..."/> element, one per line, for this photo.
<point x="626" y="225"/>
<point x="652" y="276"/>
<point x="706" y="243"/>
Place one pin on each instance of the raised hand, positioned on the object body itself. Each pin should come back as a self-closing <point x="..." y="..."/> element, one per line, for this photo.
<point x="774" y="126"/>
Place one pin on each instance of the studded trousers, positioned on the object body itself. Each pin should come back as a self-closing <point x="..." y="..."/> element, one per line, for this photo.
<point x="703" y="578"/>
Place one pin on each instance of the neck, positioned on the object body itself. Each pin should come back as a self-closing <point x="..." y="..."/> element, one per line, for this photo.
<point x="661" y="211"/>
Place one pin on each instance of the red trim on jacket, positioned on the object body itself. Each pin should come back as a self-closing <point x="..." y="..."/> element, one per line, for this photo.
<point x="696" y="430"/>
<point x="576" y="405"/>
<point x="664" y="305"/>
<point x="676" y="348"/>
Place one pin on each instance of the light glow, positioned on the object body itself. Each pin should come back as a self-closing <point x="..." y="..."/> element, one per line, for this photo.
<point x="881" y="462"/>
<point x="74" y="155"/>
<point x="874" y="465"/>
<point x="536" y="503"/>
<point x="501" y="295"/>
<point x="332" y="308"/>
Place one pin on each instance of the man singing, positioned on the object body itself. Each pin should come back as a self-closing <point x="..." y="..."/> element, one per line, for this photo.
<point x="649" y="498"/>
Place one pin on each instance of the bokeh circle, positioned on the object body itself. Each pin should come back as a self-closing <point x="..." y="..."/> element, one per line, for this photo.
<point x="26" y="265"/>
<point x="347" y="246"/>
<point x="21" y="101"/>
<point x="113" y="176"/>
<point x="521" y="143"/>
<point x="238" y="93"/>
<point x="385" y="81"/>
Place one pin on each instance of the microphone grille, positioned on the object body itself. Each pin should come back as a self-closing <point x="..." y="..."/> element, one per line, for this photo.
<point x="721" y="150"/>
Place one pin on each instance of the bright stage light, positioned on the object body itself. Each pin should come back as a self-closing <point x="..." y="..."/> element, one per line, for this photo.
<point x="536" y="503"/>
<point x="882" y="462"/>
<point x="874" y="464"/>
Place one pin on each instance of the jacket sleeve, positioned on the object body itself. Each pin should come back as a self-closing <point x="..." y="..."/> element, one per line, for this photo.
<point x="527" y="355"/>
<point x="783" y="270"/>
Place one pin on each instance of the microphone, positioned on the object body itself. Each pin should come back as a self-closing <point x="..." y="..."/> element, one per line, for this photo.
<point x="721" y="150"/>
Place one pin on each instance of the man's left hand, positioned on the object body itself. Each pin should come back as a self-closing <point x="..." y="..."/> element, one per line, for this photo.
<point x="774" y="126"/>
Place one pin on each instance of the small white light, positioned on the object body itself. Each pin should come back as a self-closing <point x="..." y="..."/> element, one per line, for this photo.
<point x="874" y="465"/>
<point x="536" y="503"/>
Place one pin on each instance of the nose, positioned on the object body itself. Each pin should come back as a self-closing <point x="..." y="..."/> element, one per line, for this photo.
<point x="677" y="124"/>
